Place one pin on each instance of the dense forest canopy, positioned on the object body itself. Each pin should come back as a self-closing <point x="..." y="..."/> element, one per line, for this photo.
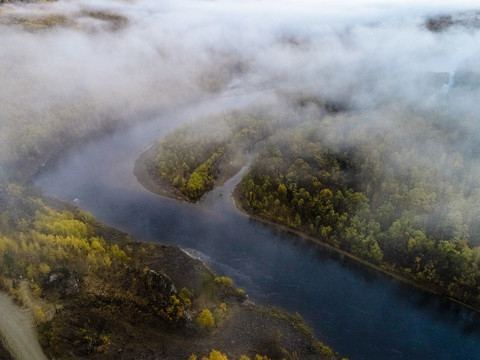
<point x="410" y="205"/>
<point x="193" y="157"/>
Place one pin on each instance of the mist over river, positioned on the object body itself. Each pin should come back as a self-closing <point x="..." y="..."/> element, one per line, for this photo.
<point x="360" y="313"/>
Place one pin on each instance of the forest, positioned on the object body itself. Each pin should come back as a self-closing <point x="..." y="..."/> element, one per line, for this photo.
<point x="396" y="187"/>
<point x="193" y="158"/>
<point x="192" y="173"/>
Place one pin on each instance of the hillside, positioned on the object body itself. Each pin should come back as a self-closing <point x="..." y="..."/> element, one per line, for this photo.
<point x="97" y="294"/>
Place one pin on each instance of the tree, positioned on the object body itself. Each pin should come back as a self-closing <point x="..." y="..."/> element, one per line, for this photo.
<point x="206" y="320"/>
<point x="216" y="355"/>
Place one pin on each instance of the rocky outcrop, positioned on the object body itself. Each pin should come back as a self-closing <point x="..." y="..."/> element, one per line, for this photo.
<point x="159" y="282"/>
<point x="62" y="282"/>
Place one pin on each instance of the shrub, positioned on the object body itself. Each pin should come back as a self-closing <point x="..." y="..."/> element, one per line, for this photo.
<point x="216" y="355"/>
<point x="206" y="320"/>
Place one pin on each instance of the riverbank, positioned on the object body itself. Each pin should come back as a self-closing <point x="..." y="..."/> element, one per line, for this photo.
<point x="379" y="268"/>
<point x="134" y="332"/>
<point x="137" y="300"/>
<point x="150" y="181"/>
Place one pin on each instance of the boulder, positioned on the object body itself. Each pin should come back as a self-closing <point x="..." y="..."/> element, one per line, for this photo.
<point x="62" y="281"/>
<point x="158" y="282"/>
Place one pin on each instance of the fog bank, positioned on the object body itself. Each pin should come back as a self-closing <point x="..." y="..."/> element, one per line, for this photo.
<point x="72" y="67"/>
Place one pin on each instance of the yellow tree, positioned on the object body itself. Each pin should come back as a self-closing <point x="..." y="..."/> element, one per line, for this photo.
<point x="216" y="355"/>
<point x="206" y="320"/>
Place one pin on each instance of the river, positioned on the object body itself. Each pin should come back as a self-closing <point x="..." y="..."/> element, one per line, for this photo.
<point x="362" y="314"/>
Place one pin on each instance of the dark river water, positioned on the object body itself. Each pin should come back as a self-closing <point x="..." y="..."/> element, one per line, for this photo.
<point x="362" y="314"/>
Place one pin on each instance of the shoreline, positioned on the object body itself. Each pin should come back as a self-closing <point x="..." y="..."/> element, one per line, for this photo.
<point x="241" y="315"/>
<point x="149" y="184"/>
<point x="146" y="180"/>
<point x="143" y="176"/>
<point x="237" y="204"/>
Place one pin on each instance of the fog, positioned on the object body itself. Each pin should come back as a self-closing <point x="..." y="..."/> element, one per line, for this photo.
<point x="72" y="67"/>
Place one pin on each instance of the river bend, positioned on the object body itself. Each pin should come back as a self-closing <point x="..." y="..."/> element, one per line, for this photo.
<point x="360" y="313"/>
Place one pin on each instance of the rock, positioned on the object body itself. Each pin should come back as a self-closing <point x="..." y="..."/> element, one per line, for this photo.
<point x="62" y="281"/>
<point x="159" y="282"/>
